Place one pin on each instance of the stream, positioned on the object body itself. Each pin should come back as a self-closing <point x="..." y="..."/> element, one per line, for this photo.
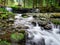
<point x="37" y="35"/>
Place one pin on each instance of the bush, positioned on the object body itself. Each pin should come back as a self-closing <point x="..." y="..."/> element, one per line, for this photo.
<point x="17" y="36"/>
<point x="3" y="10"/>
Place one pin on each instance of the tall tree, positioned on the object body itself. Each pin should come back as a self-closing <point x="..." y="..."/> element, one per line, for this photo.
<point x="24" y="3"/>
<point x="34" y="3"/>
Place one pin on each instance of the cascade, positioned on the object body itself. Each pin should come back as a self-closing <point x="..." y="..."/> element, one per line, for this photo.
<point x="37" y="36"/>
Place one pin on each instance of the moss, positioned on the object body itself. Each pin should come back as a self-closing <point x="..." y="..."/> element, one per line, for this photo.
<point x="24" y="16"/>
<point x="56" y="21"/>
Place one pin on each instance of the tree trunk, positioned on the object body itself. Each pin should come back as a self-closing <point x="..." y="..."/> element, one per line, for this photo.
<point x="36" y="3"/>
<point x="24" y="3"/>
<point x="33" y="3"/>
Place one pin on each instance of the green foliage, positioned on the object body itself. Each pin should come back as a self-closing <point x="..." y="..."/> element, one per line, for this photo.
<point x="7" y="15"/>
<point x="17" y="36"/>
<point x="56" y="21"/>
<point x="30" y="3"/>
<point x="15" y="6"/>
<point x="10" y="14"/>
<point x="3" y="10"/>
<point x="4" y="43"/>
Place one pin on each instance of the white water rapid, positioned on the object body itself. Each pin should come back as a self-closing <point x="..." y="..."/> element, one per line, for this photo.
<point x="37" y="36"/>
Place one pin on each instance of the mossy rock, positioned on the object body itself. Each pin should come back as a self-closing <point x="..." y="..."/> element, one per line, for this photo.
<point x="22" y="31"/>
<point x="7" y="15"/>
<point x="55" y="21"/>
<point x="25" y="16"/>
<point x="57" y="15"/>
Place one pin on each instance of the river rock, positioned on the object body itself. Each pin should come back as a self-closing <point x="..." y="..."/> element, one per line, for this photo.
<point x="34" y="23"/>
<point x="42" y="23"/>
<point x="43" y="19"/>
<point x="48" y="27"/>
<point x="23" y="27"/>
<point x="10" y="20"/>
<point x="2" y="33"/>
<point x="34" y="16"/>
<point x="37" y="10"/>
<point x="25" y="16"/>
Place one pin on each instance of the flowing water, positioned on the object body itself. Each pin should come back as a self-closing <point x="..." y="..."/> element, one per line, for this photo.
<point x="37" y="36"/>
<point x="8" y="9"/>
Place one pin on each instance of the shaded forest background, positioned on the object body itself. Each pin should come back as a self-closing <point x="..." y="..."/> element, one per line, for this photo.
<point x="30" y="3"/>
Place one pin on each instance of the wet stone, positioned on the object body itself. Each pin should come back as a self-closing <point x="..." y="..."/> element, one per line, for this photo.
<point x="48" y="27"/>
<point x="34" y="23"/>
<point x="34" y="16"/>
<point x="42" y="23"/>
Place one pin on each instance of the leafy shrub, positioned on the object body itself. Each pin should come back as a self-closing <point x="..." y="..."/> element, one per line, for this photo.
<point x="17" y="36"/>
<point x="3" y="10"/>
